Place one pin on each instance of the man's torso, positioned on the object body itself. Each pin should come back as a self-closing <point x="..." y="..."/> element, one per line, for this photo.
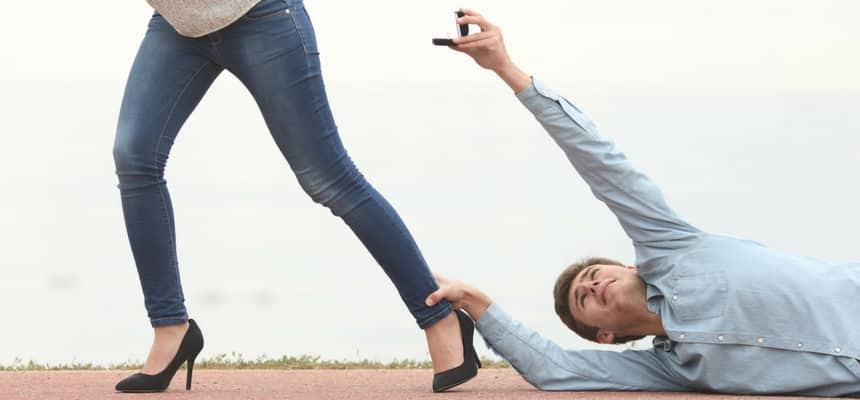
<point x="739" y="314"/>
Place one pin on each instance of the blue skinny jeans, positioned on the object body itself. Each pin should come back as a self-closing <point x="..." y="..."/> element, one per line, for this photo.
<point x="272" y="50"/>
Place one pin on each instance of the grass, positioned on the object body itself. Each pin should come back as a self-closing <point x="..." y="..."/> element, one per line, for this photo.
<point x="237" y="361"/>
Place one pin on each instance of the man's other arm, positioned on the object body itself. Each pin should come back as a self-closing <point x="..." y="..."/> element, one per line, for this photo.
<point x="544" y="364"/>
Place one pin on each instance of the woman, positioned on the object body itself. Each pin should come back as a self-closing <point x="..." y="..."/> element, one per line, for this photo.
<point x="270" y="46"/>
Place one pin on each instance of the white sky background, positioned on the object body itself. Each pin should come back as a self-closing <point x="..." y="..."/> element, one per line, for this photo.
<point x="744" y="112"/>
<point x="665" y="45"/>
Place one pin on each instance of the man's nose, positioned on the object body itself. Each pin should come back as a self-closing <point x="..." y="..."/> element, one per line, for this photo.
<point x="590" y="285"/>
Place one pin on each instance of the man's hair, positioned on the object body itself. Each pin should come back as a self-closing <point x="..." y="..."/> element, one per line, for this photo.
<point x="562" y="306"/>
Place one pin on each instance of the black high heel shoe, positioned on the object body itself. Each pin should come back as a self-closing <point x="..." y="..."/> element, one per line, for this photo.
<point x="190" y="347"/>
<point x="469" y="368"/>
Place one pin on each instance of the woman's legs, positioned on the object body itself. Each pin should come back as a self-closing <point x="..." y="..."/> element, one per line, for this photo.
<point x="277" y="59"/>
<point x="169" y="76"/>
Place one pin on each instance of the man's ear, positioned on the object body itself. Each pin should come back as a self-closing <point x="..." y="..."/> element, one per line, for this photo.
<point x="605" y="337"/>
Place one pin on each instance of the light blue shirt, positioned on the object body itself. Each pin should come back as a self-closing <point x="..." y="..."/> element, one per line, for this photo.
<point x="739" y="317"/>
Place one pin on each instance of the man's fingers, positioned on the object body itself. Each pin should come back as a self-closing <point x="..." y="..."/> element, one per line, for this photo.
<point x="478" y="43"/>
<point x="469" y="11"/>
<point x="435" y="297"/>
<point x="473" y="37"/>
<point x="476" y="20"/>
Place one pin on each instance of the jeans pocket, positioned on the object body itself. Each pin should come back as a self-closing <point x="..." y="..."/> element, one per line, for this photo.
<point x="304" y="27"/>
<point x="267" y="10"/>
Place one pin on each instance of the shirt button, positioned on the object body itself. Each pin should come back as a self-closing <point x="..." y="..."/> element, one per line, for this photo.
<point x="720" y="338"/>
<point x="760" y="340"/>
<point x="800" y="345"/>
<point x="838" y="350"/>
<point x="683" y="335"/>
<point x="675" y="297"/>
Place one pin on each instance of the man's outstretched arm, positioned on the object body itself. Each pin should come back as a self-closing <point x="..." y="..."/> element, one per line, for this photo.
<point x="547" y="366"/>
<point x="630" y="195"/>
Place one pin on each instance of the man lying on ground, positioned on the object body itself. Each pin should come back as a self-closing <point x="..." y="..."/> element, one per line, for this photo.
<point x="728" y="315"/>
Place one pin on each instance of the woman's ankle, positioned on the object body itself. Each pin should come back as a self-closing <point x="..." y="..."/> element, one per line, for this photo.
<point x="445" y="343"/>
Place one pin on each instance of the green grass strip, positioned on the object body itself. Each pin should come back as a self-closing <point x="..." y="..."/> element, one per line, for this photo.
<point x="237" y="361"/>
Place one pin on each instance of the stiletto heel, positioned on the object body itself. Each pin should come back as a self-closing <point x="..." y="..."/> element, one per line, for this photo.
<point x="188" y="374"/>
<point x="190" y="347"/>
<point x="469" y="368"/>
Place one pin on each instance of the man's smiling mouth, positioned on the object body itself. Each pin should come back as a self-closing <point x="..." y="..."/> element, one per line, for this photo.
<point x="601" y="290"/>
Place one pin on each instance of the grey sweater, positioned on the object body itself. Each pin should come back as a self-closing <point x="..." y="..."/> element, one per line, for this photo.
<point x="195" y="18"/>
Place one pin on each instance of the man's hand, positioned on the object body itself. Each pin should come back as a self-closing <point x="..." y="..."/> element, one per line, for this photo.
<point x="461" y="296"/>
<point x="487" y="48"/>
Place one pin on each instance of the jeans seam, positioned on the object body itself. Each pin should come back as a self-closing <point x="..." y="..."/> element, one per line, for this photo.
<point x="172" y="236"/>
<point x="172" y="109"/>
<point x="435" y="317"/>
<point x="167" y="321"/>
<point x="301" y="39"/>
<point x="166" y="318"/>
<point x="155" y="166"/>
<point x="413" y="247"/>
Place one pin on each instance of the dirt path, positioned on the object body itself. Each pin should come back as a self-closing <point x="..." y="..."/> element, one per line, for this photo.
<point x="300" y="384"/>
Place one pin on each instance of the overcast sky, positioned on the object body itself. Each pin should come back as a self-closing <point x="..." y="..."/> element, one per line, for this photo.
<point x="734" y="45"/>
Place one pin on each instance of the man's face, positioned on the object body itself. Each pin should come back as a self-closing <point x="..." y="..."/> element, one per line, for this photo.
<point x="606" y="296"/>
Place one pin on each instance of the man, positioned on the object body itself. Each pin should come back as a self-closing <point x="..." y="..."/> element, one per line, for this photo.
<point x="729" y="315"/>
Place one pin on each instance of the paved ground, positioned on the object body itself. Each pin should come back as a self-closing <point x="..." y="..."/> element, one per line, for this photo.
<point x="303" y="384"/>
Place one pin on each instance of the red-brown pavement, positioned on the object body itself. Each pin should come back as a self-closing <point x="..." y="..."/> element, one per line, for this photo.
<point x="302" y="384"/>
